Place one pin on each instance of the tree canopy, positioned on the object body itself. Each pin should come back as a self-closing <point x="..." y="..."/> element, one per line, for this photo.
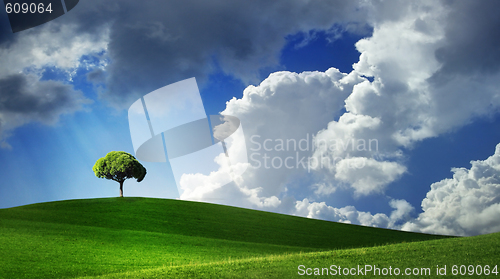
<point x="119" y="166"/>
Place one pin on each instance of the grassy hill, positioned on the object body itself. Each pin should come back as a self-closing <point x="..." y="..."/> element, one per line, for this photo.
<point x="159" y="238"/>
<point x="471" y="257"/>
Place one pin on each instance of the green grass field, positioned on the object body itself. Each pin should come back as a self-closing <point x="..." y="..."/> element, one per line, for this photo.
<point x="159" y="238"/>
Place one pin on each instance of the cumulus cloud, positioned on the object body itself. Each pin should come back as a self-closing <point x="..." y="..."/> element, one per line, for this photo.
<point x="367" y="175"/>
<point x="353" y="149"/>
<point x="349" y="214"/>
<point x="414" y="96"/>
<point x="467" y="204"/>
<point x="281" y="115"/>
<point x="411" y="94"/>
<point x="408" y="101"/>
<point x="277" y="153"/>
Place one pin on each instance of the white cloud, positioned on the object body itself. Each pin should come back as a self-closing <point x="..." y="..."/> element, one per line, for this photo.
<point x="60" y="46"/>
<point x="267" y="112"/>
<point x="411" y="94"/>
<point x="467" y="204"/>
<point x="281" y="115"/>
<point x="350" y="215"/>
<point x="409" y="100"/>
<point x="367" y="175"/>
<point x="323" y="188"/>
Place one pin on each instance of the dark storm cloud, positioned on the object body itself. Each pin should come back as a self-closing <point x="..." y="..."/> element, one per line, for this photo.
<point x="149" y="45"/>
<point x="472" y="42"/>
<point x="24" y="98"/>
<point x="44" y="99"/>
<point x="154" y="43"/>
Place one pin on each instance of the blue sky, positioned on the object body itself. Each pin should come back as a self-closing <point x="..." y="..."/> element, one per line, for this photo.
<point x="410" y="77"/>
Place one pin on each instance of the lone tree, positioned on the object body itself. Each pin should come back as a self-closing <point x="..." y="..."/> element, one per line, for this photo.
<point x="119" y="166"/>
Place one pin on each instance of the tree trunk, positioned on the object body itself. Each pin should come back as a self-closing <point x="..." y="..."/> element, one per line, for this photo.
<point x="121" y="188"/>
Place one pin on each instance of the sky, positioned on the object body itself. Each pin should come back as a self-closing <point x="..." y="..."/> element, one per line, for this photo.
<point x="397" y="101"/>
